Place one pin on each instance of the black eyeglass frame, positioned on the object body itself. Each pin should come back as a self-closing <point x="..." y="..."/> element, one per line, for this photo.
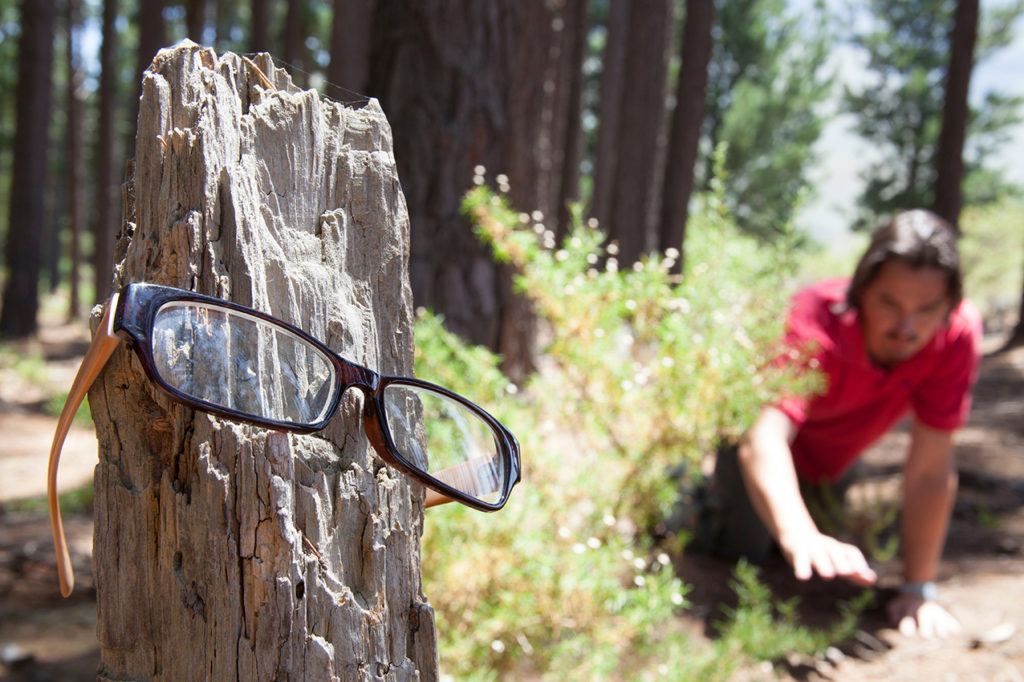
<point x="129" y="318"/>
<point x="138" y="305"/>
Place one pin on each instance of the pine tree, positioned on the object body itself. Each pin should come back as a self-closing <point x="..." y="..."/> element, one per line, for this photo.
<point x="899" y="111"/>
<point x="766" y="85"/>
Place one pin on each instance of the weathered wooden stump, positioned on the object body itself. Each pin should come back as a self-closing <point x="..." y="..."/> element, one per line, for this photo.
<point x="225" y="551"/>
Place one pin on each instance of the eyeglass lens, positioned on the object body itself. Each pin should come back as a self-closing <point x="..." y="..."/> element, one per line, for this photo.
<point x="446" y="439"/>
<point x="243" y="363"/>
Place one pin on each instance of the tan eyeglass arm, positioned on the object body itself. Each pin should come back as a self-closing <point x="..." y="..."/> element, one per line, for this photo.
<point x="434" y="498"/>
<point x="103" y="345"/>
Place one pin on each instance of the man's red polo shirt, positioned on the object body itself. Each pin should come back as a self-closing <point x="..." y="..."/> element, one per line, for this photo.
<point x="863" y="401"/>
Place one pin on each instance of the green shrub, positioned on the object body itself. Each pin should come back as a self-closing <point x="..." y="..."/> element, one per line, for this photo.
<point x="767" y="630"/>
<point x="642" y="371"/>
<point x="648" y="368"/>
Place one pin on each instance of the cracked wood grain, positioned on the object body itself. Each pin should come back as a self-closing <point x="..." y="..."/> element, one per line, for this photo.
<point x="224" y="551"/>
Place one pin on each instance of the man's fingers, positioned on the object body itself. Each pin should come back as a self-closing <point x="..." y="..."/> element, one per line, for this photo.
<point x="842" y="562"/>
<point x="864" y="578"/>
<point x="802" y="567"/>
<point x="926" y="627"/>
<point x="935" y="621"/>
<point x="851" y="564"/>
<point x="861" y="573"/>
<point x="845" y="561"/>
<point x="952" y="627"/>
<point x="828" y="558"/>
<point x="914" y="616"/>
<point x="824" y="563"/>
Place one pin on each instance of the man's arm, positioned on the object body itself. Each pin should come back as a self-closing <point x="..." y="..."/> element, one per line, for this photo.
<point x="766" y="463"/>
<point x="929" y="490"/>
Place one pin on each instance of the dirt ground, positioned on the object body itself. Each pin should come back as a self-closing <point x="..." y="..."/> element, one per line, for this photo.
<point x="981" y="577"/>
<point x="44" y="637"/>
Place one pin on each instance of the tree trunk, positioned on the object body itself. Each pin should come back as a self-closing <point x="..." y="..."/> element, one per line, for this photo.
<point x="195" y="19"/>
<point x="351" y="27"/>
<point x="609" y="108"/>
<point x="575" y="47"/>
<point x="691" y="93"/>
<point x="28" y="172"/>
<point x="1017" y="335"/>
<point x="260" y="37"/>
<point x="225" y="18"/>
<point x="56" y="208"/>
<point x="225" y="551"/>
<point x="640" y="123"/>
<point x="532" y="149"/>
<point x="291" y="45"/>
<point x="463" y="88"/>
<point x="152" y="37"/>
<point x="107" y="155"/>
<point x="950" y="160"/>
<point x="76" y="157"/>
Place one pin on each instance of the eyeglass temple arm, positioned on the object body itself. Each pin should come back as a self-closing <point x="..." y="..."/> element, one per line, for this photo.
<point x="100" y="350"/>
<point x="434" y="498"/>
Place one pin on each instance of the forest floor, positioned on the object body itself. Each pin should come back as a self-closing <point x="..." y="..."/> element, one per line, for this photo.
<point x="44" y="637"/>
<point x="981" y="578"/>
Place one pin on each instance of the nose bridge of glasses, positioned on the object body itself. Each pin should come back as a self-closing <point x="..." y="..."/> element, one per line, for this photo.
<point x="365" y="382"/>
<point x="353" y="375"/>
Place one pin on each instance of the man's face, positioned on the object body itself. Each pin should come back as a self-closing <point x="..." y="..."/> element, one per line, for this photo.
<point x="901" y="310"/>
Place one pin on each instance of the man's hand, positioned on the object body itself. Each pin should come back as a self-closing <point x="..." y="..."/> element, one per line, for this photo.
<point x="814" y="552"/>
<point x="915" y="615"/>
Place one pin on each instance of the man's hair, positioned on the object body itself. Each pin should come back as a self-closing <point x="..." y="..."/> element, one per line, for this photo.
<point x="918" y="238"/>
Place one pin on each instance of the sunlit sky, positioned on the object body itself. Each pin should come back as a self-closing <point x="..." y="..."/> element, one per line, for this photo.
<point x="843" y="156"/>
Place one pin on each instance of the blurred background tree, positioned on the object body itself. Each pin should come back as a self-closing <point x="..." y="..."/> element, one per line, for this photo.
<point x="588" y="100"/>
<point x="899" y="110"/>
<point x="768" y="80"/>
<point x="28" y="168"/>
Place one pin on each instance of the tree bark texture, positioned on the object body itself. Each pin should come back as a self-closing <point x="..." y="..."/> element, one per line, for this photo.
<point x="75" y="151"/>
<point x="950" y="157"/>
<point x="28" y="173"/>
<point x="471" y="84"/>
<point x="224" y="551"/>
<point x="613" y="66"/>
<point x="571" y="115"/>
<point x="351" y="28"/>
<point x="641" y="116"/>
<point x="107" y="152"/>
<point x="260" y="37"/>
<point x="152" y="37"/>
<point x="691" y="95"/>
<point x="195" y="19"/>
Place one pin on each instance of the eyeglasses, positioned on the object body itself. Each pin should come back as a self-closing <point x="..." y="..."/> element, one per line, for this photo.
<point x="241" y="364"/>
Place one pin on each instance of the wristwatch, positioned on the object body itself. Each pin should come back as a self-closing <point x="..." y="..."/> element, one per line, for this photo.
<point x="926" y="590"/>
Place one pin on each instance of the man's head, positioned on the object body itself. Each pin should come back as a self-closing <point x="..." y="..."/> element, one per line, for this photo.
<point x="905" y="285"/>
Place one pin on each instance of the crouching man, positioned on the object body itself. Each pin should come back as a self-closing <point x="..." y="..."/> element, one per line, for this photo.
<point x="897" y="338"/>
